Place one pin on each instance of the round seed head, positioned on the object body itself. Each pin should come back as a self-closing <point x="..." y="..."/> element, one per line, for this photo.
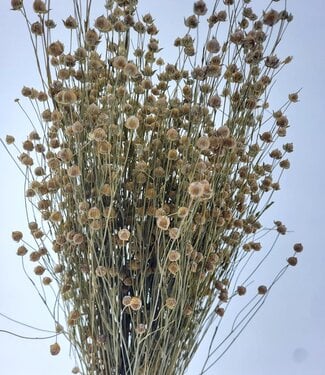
<point x="203" y="143"/>
<point x="241" y="290"/>
<point x="39" y="6"/>
<point x="172" y="134"/>
<point x="213" y="46"/>
<point x="119" y="62"/>
<point x="171" y="303"/>
<point x="220" y="311"/>
<point x="16" y="4"/>
<point x="94" y="213"/>
<point x="132" y="123"/>
<point x="103" y="24"/>
<point x="196" y="189"/>
<point x="10" y="139"/>
<point x="163" y="222"/>
<point x="91" y="37"/>
<point x="298" y="248"/>
<point x="34" y="256"/>
<point x="21" y="251"/>
<point x="55" y="349"/>
<point x="174" y="255"/>
<point x="174" y="233"/>
<point x="182" y="212"/>
<point x="292" y="261"/>
<point x="58" y="268"/>
<point x="70" y="23"/>
<point x="47" y="280"/>
<point x="55" y="49"/>
<point x="74" y="171"/>
<point x="140" y="329"/>
<point x="173" y="267"/>
<point x="123" y="234"/>
<point x="126" y="301"/>
<point x="262" y="289"/>
<point x="39" y="270"/>
<point x="56" y="216"/>
<point x="130" y="69"/>
<point x="78" y="239"/>
<point x="135" y="303"/>
<point x="200" y="8"/>
<point x="17" y="235"/>
<point x="101" y="271"/>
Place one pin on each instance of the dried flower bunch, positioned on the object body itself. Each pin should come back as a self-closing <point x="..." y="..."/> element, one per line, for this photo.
<point x="148" y="179"/>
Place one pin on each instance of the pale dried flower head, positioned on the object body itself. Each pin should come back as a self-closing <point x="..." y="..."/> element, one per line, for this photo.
<point x="132" y="123"/>
<point x="163" y="222"/>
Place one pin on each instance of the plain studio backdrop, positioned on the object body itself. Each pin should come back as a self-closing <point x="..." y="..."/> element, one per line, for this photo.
<point x="288" y="335"/>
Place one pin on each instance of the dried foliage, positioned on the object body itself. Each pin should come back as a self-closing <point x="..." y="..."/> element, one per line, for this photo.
<point x="146" y="180"/>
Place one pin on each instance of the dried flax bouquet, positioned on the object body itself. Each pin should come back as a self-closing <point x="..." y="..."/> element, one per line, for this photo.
<point x="146" y="179"/>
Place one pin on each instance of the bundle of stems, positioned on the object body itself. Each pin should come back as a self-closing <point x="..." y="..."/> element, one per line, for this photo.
<point x="146" y="180"/>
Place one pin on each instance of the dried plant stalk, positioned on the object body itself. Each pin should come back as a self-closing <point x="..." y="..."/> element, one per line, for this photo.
<point x="147" y="179"/>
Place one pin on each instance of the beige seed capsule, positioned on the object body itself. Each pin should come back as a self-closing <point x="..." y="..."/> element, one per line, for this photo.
<point x="132" y="123"/>
<point x="123" y="234"/>
<point x="17" y="235"/>
<point x="174" y="255"/>
<point x="173" y="267"/>
<point x="101" y="271"/>
<point x="39" y="270"/>
<point x="203" y="143"/>
<point x="74" y="171"/>
<point x="174" y="233"/>
<point x="141" y="328"/>
<point x="298" y="248"/>
<point x="196" y="189"/>
<point x="47" y="280"/>
<point x="171" y="303"/>
<point x="182" y="212"/>
<point x="10" y="139"/>
<point x="262" y="289"/>
<point x="135" y="303"/>
<point x="94" y="213"/>
<point x="55" y="349"/>
<point x="163" y="222"/>
<point x="126" y="301"/>
<point x="292" y="261"/>
<point x="21" y="251"/>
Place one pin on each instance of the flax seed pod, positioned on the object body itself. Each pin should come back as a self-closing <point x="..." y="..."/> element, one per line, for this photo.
<point x="132" y="123"/>
<point x="174" y="255"/>
<point x="292" y="261"/>
<point x="123" y="234"/>
<point x="126" y="301"/>
<point x="46" y="280"/>
<point x="17" y="236"/>
<point x="203" y="143"/>
<point x="196" y="189"/>
<point x="74" y="171"/>
<point x="163" y="222"/>
<point x="298" y="248"/>
<point x="135" y="303"/>
<point x="174" y="233"/>
<point x="39" y="270"/>
<point x="173" y="267"/>
<point x="171" y="303"/>
<point x="16" y="4"/>
<point x="182" y="212"/>
<point x="21" y="251"/>
<point x="55" y="349"/>
<point x="101" y="271"/>
<point x="262" y="289"/>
